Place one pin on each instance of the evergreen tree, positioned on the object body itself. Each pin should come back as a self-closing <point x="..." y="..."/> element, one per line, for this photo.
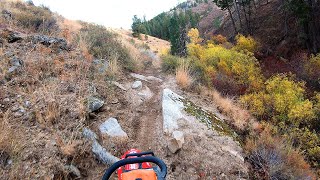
<point x="137" y="26"/>
<point x="226" y="5"/>
<point x="174" y="34"/>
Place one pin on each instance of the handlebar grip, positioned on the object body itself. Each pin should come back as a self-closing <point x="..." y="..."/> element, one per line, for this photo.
<point x="157" y="161"/>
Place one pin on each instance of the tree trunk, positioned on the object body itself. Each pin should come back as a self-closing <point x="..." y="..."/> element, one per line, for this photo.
<point x="313" y="29"/>
<point x="238" y="13"/>
<point x="233" y="23"/>
<point x="245" y="17"/>
<point x="249" y="17"/>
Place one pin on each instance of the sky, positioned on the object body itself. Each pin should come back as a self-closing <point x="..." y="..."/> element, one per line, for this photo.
<point x="110" y="13"/>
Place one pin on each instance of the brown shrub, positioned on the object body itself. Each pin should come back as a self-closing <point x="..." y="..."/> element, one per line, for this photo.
<point x="34" y="18"/>
<point x="273" y="157"/>
<point x="114" y="66"/>
<point x="239" y="117"/>
<point x="183" y="76"/>
<point x="10" y="142"/>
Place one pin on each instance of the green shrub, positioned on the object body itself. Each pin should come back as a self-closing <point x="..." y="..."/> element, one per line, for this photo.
<point x="145" y="46"/>
<point x="170" y="63"/>
<point x="312" y="69"/>
<point x="229" y="70"/>
<point x="309" y="142"/>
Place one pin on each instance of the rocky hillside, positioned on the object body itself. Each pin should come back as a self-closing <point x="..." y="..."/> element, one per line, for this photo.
<point x="211" y="16"/>
<point x="75" y="96"/>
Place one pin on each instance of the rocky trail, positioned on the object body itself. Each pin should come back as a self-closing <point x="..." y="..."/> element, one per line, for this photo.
<point x="155" y="120"/>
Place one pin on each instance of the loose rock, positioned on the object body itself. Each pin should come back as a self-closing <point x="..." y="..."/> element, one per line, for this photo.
<point x="119" y="85"/>
<point x="87" y="133"/>
<point x="146" y="94"/>
<point x="7" y="14"/>
<point x="4" y="158"/>
<point x="102" y="154"/>
<point x="176" y="141"/>
<point x="152" y="78"/>
<point x="94" y="104"/>
<point x="50" y="41"/>
<point x="10" y="35"/>
<point x="101" y="65"/>
<point x="16" y="62"/>
<point x="139" y="76"/>
<point x="112" y="128"/>
<point x="73" y="170"/>
<point x="99" y="151"/>
<point x="136" y="85"/>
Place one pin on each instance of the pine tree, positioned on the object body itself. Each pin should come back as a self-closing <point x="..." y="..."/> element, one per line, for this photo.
<point x="174" y="34"/>
<point x="226" y="5"/>
<point x="137" y="26"/>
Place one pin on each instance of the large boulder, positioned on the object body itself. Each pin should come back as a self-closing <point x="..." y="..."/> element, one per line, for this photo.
<point x="172" y="110"/>
<point x="94" y="104"/>
<point x="112" y="128"/>
<point x="176" y="141"/>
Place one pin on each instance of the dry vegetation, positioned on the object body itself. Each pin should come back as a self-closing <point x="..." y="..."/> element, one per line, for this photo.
<point x="240" y="118"/>
<point x="274" y="158"/>
<point x="183" y="76"/>
<point x="43" y="100"/>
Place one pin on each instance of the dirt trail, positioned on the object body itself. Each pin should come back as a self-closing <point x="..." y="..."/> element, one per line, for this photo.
<point x="147" y="124"/>
<point x="205" y="154"/>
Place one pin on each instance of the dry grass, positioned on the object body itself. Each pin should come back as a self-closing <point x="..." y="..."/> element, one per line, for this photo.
<point x="10" y="142"/>
<point x="114" y="68"/>
<point x="155" y="44"/>
<point x="134" y="53"/>
<point x="183" y="76"/>
<point x="84" y="45"/>
<point x="239" y="117"/>
<point x="67" y="148"/>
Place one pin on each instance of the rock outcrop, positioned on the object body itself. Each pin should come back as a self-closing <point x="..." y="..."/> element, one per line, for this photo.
<point x="193" y="136"/>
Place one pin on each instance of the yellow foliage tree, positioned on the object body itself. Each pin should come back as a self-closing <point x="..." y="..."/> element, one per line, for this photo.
<point x="281" y="100"/>
<point x="312" y="67"/>
<point x="213" y="59"/>
<point x="246" y="44"/>
<point x="194" y="36"/>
